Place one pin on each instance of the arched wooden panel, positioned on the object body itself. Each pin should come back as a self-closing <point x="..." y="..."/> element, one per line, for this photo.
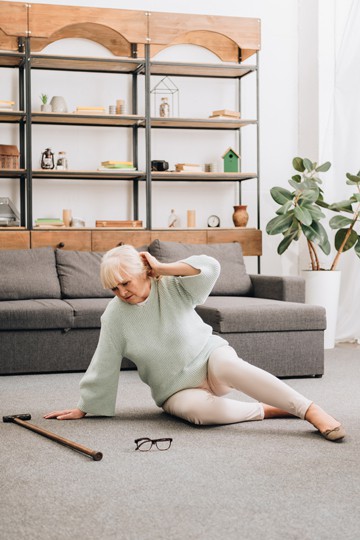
<point x="169" y="28"/>
<point x="45" y="20"/>
<point x="13" y="24"/>
<point x="99" y="33"/>
<point x="119" y="29"/>
<point x="8" y="43"/>
<point x="225" y="48"/>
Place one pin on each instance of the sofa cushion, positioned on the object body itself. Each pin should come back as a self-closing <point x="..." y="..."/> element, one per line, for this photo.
<point x="28" y="274"/>
<point x="79" y="274"/>
<point x="246" y="314"/>
<point x="35" y="314"/>
<point x="233" y="279"/>
<point x="87" y="311"/>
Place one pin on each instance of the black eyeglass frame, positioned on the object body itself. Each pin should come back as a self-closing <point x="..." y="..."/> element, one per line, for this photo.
<point x="143" y="440"/>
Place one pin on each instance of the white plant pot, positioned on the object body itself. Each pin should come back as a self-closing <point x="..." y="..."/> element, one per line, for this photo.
<point x="322" y="288"/>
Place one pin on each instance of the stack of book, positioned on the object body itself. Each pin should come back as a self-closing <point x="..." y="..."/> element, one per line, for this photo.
<point x="225" y="113"/>
<point x="90" y="110"/>
<point x="117" y="166"/>
<point x="49" y="223"/>
<point x="188" y="167"/>
<point x="6" y="105"/>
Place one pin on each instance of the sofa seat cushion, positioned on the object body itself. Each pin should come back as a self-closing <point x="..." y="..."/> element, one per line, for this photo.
<point x="247" y="314"/>
<point x="87" y="311"/>
<point x="233" y="279"/>
<point x="28" y="274"/>
<point x="35" y="314"/>
<point x="79" y="274"/>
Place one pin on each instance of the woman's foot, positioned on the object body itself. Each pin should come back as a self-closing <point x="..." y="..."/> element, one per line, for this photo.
<point x="330" y="428"/>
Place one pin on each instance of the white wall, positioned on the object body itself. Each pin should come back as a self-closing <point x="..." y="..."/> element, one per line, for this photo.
<point x="87" y="147"/>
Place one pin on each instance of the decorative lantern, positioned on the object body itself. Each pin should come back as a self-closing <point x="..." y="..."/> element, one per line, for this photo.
<point x="165" y="98"/>
<point x="47" y="159"/>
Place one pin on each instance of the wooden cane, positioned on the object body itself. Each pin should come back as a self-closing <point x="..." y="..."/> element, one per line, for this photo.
<point x="21" y="420"/>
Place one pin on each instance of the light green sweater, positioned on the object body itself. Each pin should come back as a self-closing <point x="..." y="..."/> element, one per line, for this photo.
<point x="165" y="338"/>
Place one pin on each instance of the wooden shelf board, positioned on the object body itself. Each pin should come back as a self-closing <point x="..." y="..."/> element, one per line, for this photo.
<point x="87" y="175"/>
<point x="59" y="229"/>
<point x="94" y="64"/>
<point x="202" y="176"/>
<point x="200" y="123"/>
<point x="128" y="120"/>
<point x="201" y="70"/>
<point x="8" y="59"/>
<point x="12" y="173"/>
<point x="203" y="229"/>
<point x="11" y="116"/>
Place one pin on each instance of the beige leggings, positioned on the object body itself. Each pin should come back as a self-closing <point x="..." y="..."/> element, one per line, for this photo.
<point x="226" y="371"/>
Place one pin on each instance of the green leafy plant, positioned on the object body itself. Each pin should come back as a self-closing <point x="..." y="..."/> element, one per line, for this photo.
<point x="44" y="98"/>
<point x="301" y="212"/>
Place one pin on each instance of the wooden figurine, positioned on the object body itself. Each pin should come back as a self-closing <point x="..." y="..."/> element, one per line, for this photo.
<point x="231" y="160"/>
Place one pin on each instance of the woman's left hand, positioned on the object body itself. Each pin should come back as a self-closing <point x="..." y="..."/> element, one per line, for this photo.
<point x="151" y="263"/>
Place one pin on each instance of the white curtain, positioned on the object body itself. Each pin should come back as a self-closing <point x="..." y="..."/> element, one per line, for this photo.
<point x="346" y="154"/>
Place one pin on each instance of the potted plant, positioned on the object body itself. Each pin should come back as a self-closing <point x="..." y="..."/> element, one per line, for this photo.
<point x="45" y="106"/>
<point x="301" y="212"/>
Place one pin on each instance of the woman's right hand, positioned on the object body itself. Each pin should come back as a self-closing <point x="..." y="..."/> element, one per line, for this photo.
<point x="67" y="414"/>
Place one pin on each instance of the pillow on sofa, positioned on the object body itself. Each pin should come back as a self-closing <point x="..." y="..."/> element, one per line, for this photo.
<point x="79" y="274"/>
<point x="28" y="273"/>
<point x="233" y="279"/>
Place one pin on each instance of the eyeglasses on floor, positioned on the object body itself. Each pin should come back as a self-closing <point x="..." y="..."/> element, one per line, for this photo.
<point x="145" y="444"/>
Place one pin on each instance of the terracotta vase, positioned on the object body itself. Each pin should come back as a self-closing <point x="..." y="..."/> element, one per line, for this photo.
<point x="240" y="215"/>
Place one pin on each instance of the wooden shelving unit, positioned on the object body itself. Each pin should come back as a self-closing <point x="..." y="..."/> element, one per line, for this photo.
<point x="133" y="37"/>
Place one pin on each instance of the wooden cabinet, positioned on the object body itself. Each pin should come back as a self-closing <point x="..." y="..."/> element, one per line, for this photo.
<point x="105" y="240"/>
<point x="73" y="240"/>
<point x="250" y="239"/>
<point x="19" y="239"/>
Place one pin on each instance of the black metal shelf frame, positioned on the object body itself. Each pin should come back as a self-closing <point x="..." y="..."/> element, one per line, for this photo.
<point x="17" y="60"/>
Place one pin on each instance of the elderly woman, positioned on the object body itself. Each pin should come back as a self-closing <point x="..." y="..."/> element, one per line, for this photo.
<point x="153" y="322"/>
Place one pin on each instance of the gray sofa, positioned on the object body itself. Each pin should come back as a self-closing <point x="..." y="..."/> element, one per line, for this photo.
<point x="51" y="303"/>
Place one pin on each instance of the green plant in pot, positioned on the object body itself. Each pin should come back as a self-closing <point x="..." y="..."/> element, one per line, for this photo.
<point x="44" y="98"/>
<point x="301" y="212"/>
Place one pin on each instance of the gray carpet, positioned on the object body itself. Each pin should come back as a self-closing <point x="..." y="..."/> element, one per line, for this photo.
<point x="270" y="480"/>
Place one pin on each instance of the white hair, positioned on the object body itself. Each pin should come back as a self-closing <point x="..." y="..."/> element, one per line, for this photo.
<point x="118" y="263"/>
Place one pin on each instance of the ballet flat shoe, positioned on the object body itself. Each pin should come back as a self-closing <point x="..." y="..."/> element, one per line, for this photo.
<point x="335" y="434"/>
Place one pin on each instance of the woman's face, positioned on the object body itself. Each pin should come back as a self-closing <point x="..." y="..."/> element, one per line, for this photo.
<point x="133" y="289"/>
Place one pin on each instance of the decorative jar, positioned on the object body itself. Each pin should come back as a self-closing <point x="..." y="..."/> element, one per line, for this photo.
<point x="240" y="215"/>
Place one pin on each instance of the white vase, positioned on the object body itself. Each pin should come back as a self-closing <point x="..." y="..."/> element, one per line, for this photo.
<point x="58" y="104"/>
<point x="322" y="288"/>
<point x="46" y="107"/>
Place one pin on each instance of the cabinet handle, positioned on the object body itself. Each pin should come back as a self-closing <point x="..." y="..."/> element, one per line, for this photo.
<point x="61" y="245"/>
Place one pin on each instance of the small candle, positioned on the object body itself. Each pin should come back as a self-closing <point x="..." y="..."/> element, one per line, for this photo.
<point x="67" y="216"/>
<point x="191" y="218"/>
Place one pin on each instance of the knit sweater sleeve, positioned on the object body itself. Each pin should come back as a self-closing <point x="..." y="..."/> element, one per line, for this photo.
<point x="200" y="285"/>
<point x="98" y="387"/>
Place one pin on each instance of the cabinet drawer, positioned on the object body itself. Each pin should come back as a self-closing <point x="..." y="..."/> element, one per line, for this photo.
<point x="105" y="240"/>
<point x="14" y="240"/>
<point x="74" y="240"/>
<point x="180" y="235"/>
<point x="250" y="239"/>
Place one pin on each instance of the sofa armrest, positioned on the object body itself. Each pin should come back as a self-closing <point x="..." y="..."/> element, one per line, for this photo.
<point x="285" y="288"/>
